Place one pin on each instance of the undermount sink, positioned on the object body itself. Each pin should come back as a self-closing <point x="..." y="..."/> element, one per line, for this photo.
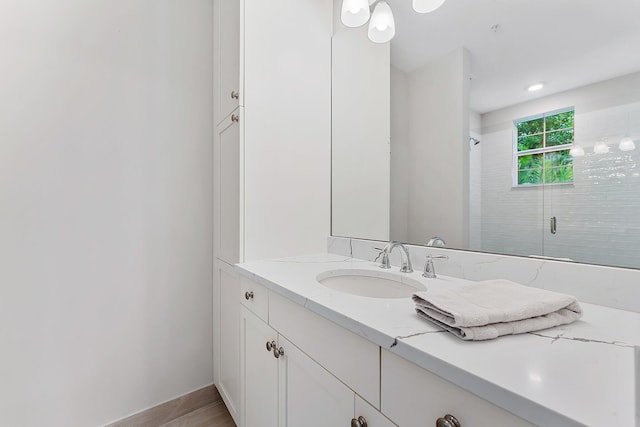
<point x="367" y="283"/>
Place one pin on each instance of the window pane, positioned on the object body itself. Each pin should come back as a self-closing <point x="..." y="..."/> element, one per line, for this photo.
<point x="531" y="161"/>
<point x="560" y="121"/>
<point x="530" y="127"/>
<point x="530" y="176"/>
<point x="559" y="174"/>
<point x="529" y="142"/>
<point x="559" y="137"/>
<point x="558" y="158"/>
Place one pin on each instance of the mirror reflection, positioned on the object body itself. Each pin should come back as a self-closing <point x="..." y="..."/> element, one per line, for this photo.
<point x="496" y="126"/>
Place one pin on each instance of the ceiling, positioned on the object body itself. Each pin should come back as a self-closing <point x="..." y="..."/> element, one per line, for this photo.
<point x="563" y="43"/>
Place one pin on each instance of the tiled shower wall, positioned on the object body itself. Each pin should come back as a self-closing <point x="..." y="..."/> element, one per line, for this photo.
<point x="598" y="216"/>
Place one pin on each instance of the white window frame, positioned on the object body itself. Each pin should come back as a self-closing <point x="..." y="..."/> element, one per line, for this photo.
<point x="516" y="153"/>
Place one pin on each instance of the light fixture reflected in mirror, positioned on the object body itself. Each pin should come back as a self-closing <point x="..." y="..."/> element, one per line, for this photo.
<point x="382" y="27"/>
<point x="577" y="151"/>
<point x="355" y="13"/>
<point x="627" y="144"/>
<point x="601" y="148"/>
<point x="426" y="6"/>
<point x="535" y="87"/>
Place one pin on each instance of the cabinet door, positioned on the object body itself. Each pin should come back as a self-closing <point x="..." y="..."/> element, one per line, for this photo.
<point x="227" y="195"/>
<point x="226" y="57"/>
<point x="371" y="415"/>
<point x="309" y="395"/>
<point x="228" y="347"/>
<point x="259" y="373"/>
<point x="415" y="397"/>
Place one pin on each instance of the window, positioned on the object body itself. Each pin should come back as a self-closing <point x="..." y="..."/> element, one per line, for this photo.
<point x="541" y="149"/>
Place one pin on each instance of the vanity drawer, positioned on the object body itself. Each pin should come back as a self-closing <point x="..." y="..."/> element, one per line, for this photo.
<point x="352" y="359"/>
<point x="412" y="396"/>
<point x="255" y="297"/>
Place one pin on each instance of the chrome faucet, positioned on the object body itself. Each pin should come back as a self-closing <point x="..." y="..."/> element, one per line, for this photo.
<point x="404" y="254"/>
<point x="437" y="241"/>
<point x="429" y="268"/>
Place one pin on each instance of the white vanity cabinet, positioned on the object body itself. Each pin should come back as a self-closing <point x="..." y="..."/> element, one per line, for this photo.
<point x="282" y="385"/>
<point x="259" y="372"/>
<point x="311" y="395"/>
<point x="414" y="397"/>
<point x="299" y="368"/>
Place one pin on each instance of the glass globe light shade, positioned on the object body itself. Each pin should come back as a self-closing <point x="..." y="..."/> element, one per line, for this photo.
<point x="382" y="26"/>
<point x="355" y="13"/>
<point x="426" y="6"/>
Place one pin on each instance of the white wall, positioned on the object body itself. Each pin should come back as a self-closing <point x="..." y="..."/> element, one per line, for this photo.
<point x="287" y="127"/>
<point x="400" y="155"/>
<point x="597" y="215"/>
<point x="475" y="181"/>
<point x="105" y="207"/>
<point x="439" y="151"/>
<point x="360" y="156"/>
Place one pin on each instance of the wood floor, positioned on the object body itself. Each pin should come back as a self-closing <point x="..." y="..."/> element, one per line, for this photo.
<point x="201" y="408"/>
<point x="212" y="415"/>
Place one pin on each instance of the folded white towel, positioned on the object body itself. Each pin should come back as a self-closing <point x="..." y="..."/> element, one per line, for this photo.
<point x="492" y="308"/>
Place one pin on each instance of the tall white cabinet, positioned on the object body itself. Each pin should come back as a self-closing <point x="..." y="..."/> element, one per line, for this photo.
<point x="272" y="148"/>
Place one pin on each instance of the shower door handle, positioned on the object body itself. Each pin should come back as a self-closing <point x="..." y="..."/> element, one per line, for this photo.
<point x="553" y="223"/>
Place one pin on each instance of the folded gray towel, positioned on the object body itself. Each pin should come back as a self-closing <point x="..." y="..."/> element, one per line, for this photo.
<point x="492" y="308"/>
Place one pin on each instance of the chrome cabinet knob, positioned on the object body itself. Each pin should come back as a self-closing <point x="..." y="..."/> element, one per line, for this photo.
<point x="235" y="95"/>
<point x="277" y="352"/>
<point x="235" y="118"/>
<point x="272" y="346"/>
<point x="248" y="295"/>
<point x="360" y="422"/>
<point x="448" y="421"/>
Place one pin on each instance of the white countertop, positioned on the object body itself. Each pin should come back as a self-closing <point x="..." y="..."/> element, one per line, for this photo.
<point x="578" y="374"/>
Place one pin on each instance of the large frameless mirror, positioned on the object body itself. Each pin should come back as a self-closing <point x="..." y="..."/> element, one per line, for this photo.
<point x="498" y="126"/>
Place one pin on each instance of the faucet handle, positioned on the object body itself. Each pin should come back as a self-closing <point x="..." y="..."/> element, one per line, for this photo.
<point x="385" y="258"/>
<point x="385" y="261"/>
<point x="429" y="268"/>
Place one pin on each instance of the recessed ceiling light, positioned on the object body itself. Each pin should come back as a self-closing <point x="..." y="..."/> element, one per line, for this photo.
<point x="535" y="87"/>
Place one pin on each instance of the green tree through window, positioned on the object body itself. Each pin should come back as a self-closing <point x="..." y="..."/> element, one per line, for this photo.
<point x="542" y="145"/>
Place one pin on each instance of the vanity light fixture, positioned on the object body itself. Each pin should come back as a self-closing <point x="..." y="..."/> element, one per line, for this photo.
<point x="627" y="144"/>
<point x="601" y="148"/>
<point x="535" y="87"/>
<point x="355" y="13"/>
<point x="577" y="151"/>
<point x="426" y="6"/>
<point x="382" y="26"/>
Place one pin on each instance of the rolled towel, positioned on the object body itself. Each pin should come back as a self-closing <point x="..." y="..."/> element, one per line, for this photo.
<point x="492" y="308"/>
